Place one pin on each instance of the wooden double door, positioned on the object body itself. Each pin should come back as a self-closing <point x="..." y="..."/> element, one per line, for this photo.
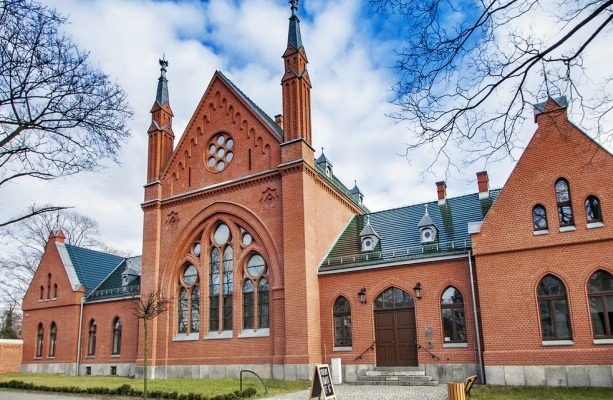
<point x="396" y="337"/>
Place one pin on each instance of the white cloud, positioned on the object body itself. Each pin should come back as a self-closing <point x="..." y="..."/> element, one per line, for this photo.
<point x="245" y="40"/>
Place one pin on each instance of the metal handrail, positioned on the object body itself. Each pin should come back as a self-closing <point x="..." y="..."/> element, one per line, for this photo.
<point x="251" y="372"/>
<point x="428" y="351"/>
<point x="371" y="347"/>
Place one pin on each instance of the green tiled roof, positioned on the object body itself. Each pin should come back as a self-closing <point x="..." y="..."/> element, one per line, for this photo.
<point x="112" y="287"/>
<point x="400" y="235"/>
<point x="92" y="266"/>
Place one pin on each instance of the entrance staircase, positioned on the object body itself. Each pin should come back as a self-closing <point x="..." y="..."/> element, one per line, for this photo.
<point x="395" y="376"/>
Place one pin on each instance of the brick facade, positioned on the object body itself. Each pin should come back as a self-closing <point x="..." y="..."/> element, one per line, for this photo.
<point x="10" y="355"/>
<point x="235" y="167"/>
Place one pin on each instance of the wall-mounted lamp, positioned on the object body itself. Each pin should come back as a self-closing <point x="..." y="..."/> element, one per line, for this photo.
<point x="362" y="295"/>
<point x="417" y="290"/>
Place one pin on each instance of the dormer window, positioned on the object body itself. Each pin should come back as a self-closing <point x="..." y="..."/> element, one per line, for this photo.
<point x="427" y="230"/>
<point x="324" y="164"/>
<point x="369" y="237"/>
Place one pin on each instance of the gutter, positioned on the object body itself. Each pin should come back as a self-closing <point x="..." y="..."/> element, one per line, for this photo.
<point x="472" y="289"/>
<point x="78" y="372"/>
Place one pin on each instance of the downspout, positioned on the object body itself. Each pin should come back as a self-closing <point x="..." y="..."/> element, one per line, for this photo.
<point x="472" y="289"/>
<point x="79" y="337"/>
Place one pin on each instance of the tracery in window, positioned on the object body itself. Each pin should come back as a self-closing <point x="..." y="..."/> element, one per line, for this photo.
<point x="40" y="335"/>
<point x="593" y="212"/>
<point x="342" y="322"/>
<point x="539" y="218"/>
<point x="454" y="318"/>
<point x="600" y="294"/>
<point x="52" y="339"/>
<point x="393" y="298"/>
<point x="91" y="343"/>
<point x="255" y="302"/>
<point x="116" y="350"/>
<point x="553" y="308"/>
<point x="565" y="211"/>
<point x="221" y="280"/>
<point x="189" y="301"/>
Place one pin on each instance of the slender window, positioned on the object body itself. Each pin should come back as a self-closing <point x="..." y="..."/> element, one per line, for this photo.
<point x="55" y="290"/>
<point x="553" y="307"/>
<point x="117" y="337"/>
<point x="255" y="302"/>
<point x="91" y="344"/>
<point x="48" y="286"/>
<point x="263" y="304"/>
<point x="42" y="293"/>
<point x="600" y="293"/>
<point x="221" y="283"/>
<point x="189" y="301"/>
<point x="40" y="335"/>
<point x="592" y="209"/>
<point x="342" y="322"/>
<point x="454" y="319"/>
<point x="565" y="211"/>
<point x="539" y="218"/>
<point x="52" y="338"/>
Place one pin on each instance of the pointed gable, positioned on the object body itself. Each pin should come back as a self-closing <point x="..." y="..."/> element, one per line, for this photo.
<point x="558" y="150"/>
<point x="228" y="137"/>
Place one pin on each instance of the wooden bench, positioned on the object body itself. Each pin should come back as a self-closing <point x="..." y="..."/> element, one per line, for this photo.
<point x="468" y="384"/>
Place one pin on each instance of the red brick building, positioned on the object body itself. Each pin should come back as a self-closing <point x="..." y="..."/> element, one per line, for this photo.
<point x="273" y="265"/>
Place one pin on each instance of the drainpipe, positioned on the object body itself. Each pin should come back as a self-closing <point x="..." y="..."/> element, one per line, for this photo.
<point x="472" y="288"/>
<point x="79" y="337"/>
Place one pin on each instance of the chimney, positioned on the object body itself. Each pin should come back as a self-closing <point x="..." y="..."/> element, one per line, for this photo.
<point x="279" y="120"/>
<point x="484" y="185"/>
<point x="56" y="235"/>
<point x="441" y="190"/>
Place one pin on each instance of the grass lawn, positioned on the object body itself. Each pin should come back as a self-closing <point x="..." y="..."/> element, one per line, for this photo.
<point x="538" y="393"/>
<point x="209" y="387"/>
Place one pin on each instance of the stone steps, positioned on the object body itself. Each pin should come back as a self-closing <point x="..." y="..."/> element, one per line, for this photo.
<point x="396" y="376"/>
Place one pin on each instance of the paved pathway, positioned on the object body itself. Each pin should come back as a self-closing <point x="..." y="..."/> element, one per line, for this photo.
<point x="343" y="392"/>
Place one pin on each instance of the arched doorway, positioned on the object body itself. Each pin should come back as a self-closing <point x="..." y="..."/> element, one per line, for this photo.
<point x="395" y="329"/>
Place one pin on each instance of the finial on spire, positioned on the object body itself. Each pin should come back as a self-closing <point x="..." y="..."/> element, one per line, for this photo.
<point x="426" y="206"/>
<point x="162" y="93"/>
<point x="294" y="4"/>
<point x="163" y="62"/>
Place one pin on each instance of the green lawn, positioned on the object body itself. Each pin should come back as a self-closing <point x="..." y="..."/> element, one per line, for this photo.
<point x="538" y="393"/>
<point x="209" y="387"/>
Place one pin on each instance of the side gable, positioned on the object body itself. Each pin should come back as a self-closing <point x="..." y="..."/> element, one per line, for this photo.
<point x="90" y="266"/>
<point x="558" y="149"/>
<point x="227" y="137"/>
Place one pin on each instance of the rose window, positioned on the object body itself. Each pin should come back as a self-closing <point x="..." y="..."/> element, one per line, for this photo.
<point x="219" y="152"/>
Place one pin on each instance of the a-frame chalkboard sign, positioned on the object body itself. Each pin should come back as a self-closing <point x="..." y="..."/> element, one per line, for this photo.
<point x="322" y="383"/>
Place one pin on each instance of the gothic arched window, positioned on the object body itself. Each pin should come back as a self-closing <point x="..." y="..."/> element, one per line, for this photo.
<point x="593" y="212"/>
<point x="221" y="280"/>
<point x="342" y="322"/>
<point x="565" y="210"/>
<point x="539" y="218"/>
<point x="255" y="302"/>
<point x="116" y="349"/>
<point x="40" y="335"/>
<point x="91" y="343"/>
<point x="553" y="308"/>
<point x="52" y="339"/>
<point x="454" y="318"/>
<point x="600" y="294"/>
<point x="189" y="301"/>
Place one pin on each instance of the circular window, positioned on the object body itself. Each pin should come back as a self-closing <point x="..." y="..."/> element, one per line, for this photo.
<point x="367" y="243"/>
<point x="196" y="249"/>
<point x="256" y="266"/>
<point x="219" y="152"/>
<point x="247" y="239"/>
<point x="427" y="234"/>
<point x="189" y="276"/>
<point x="221" y="235"/>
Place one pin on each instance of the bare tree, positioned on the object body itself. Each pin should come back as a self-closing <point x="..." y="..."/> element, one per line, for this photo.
<point x="470" y="72"/>
<point x="58" y="114"/>
<point x="148" y="307"/>
<point x="28" y="239"/>
<point x="10" y="324"/>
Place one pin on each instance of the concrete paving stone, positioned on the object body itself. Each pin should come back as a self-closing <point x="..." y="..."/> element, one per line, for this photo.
<point x="357" y="392"/>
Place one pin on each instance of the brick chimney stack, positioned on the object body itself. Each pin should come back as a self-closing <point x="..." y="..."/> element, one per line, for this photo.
<point x="441" y="191"/>
<point x="484" y="185"/>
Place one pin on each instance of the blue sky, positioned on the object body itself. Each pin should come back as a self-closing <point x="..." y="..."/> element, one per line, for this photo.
<point x="350" y="53"/>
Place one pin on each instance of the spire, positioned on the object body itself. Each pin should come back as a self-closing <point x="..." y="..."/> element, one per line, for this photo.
<point x="296" y="85"/>
<point x="162" y="93"/>
<point x="293" y="38"/>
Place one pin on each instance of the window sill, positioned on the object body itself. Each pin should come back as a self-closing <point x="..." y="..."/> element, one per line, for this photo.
<point x="50" y="357"/>
<point x="115" y="355"/>
<point x="603" y="341"/>
<point x="250" y="333"/>
<point x="183" y="337"/>
<point x="38" y="358"/>
<point x="593" y="225"/>
<point x="342" y="348"/>
<point x="90" y="356"/>
<point x="455" y="345"/>
<point x="558" y="343"/>
<point x="570" y="228"/>
<point x="541" y="232"/>
<point x="218" y="335"/>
